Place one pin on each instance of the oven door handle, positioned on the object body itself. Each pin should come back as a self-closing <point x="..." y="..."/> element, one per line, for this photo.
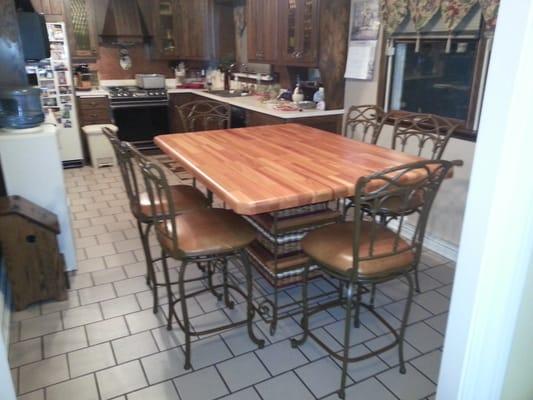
<point x="118" y="106"/>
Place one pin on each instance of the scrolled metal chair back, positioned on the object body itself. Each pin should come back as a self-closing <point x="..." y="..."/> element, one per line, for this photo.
<point x="405" y="185"/>
<point x="162" y="206"/>
<point x="364" y="123"/>
<point x="204" y="115"/>
<point x="130" y="177"/>
<point x="427" y="132"/>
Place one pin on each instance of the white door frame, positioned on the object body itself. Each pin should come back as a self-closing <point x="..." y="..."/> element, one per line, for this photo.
<point x="497" y="238"/>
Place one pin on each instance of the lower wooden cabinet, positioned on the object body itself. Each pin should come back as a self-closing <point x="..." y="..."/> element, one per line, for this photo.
<point x="94" y="110"/>
<point x="330" y="123"/>
<point x="52" y="9"/>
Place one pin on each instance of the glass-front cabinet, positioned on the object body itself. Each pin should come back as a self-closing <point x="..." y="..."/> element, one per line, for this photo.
<point x="166" y="15"/>
<point x="81" y="27"/>
<point x="299" y="32"/>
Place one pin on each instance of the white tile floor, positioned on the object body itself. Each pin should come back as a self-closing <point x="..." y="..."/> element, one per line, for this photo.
<point x="104" y="342"/>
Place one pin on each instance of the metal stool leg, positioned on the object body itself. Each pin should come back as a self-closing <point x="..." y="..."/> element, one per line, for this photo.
<point x="346" y="349"/>
<point x="168" y="287"/>
<point x="356" y="321"/>
<point x="404" y="321"/>
<point x="151" y="279"/>
<point x="417" y="282"/>
<point x="227" y="301"/>
<point x="210" y="272"/>
<point x="372" y="295"/>
<point x="185" y="316"/>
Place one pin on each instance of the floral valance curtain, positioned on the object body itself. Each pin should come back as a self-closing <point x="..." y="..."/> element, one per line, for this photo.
<point x="422" y="11"/>
<point x="394" y="12"/>
<point x="453" y="12"/>
<point x="489" y="8"/>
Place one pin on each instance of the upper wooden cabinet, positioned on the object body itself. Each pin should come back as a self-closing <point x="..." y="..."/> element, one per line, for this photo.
<point x="191" y="30"/>
<point x="262" y="17"/>
<point x="195" y="29"/>
<point x="165" y="18"/>
<point x="299" y="29"/>
<point x="81" y="27"/>
<point x="52" y="9"/>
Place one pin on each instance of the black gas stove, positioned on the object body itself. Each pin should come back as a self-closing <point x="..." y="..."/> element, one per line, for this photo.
<point x="140" y="114"/>
<point x="124" y="95"/>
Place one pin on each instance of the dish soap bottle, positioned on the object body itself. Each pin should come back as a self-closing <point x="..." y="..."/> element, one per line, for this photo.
<point x="319" y="98"/>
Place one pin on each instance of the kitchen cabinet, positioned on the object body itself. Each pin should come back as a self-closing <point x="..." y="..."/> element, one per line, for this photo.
<point x="195" y="29"/>
<point x="165" y="18"/>
<point x="299" y="29"/>
<point x="330" y="123"/>
<point x="94" y="110"/>
<point x="262" y="17"/>
<point x="81" y="27"/>
<point x="51" y="9"/>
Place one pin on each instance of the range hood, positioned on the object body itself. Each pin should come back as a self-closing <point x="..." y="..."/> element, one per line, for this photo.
<point x="122" y="22"/>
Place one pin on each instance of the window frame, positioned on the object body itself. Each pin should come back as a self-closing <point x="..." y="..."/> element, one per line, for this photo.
<point x="467" y="129"/>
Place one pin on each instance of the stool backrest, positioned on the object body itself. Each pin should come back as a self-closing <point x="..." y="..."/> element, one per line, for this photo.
<point x="204" y="115"/>
<point x="159" y="193"/>
<point x="422" y="134"/>
<point x="364" y="123"/>
<point x="128" y="169"/>
<point x="402" y="186"/>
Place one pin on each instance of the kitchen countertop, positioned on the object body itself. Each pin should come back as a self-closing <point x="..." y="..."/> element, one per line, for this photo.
<point x="253" y="104"/>
<point x="92" y="93"/>
<point x="247" y="102"/>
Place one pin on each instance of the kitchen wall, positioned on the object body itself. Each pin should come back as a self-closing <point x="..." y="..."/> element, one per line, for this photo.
<point x="108" y="66"/>
<point x="445" y="222"/>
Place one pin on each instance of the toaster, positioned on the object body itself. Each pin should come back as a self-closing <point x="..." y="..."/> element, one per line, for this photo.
<point x="150" y="81"/>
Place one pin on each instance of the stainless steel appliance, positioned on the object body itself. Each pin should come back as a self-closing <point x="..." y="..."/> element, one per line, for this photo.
<point x="150" y="81"/>
<point x="140" y="114"/>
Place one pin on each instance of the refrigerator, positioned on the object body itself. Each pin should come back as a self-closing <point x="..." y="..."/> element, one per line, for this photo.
<point x="54" y="77"/>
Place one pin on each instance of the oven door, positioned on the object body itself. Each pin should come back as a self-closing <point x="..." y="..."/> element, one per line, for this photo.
<point x="140" y="122"/>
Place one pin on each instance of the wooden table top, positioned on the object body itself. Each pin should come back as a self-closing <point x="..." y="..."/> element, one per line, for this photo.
<point x="275" y="167"/>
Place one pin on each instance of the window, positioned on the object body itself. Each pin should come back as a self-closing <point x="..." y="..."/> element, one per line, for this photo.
<point x="444" y="76"/>
<point x="433" y="81"/>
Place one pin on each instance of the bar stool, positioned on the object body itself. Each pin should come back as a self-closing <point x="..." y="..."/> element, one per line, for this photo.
<point x="364" y="123"/>
<point x="201" y="235"/>
<point x="366" y="252"/>
<point x="182" y="197"/>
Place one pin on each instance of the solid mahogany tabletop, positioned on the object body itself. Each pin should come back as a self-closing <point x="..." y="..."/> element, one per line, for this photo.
<point x="275" y="167"/>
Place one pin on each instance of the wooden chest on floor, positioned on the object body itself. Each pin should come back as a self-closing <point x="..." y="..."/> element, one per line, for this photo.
<point x="28" y="240"/>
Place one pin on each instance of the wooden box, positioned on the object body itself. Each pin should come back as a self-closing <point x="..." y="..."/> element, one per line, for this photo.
<point x="28" y="238"/>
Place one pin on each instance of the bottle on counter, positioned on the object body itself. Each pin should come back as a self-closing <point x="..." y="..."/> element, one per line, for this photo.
<point x="297" y="96"/>
<point x="180" y="74"/>
<point x="320" y="99"/>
